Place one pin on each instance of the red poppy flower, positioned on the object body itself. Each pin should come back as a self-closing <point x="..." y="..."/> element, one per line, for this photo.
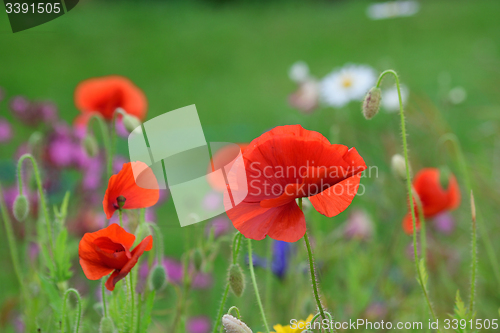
<point x="434" y="198"/>
<point x="106" y="94"/>
<point x="287" y="163"/>
<point x="124" y="185"/>
<point x="108" y="250"/>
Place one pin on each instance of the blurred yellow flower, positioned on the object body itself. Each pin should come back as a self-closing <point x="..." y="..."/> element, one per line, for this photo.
<point x="288" y="329"/>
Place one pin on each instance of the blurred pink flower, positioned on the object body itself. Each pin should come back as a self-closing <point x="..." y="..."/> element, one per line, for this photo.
<point x="359" y="225"/>
<point x="444" y="223"/>
<point x="5" y="131"/>
<point x="221" y="225"/>
<point x="306" y="97"/>
<point x="199" y="324"/>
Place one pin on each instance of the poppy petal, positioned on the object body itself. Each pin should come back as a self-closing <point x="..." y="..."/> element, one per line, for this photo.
<point x="124" y="184"/>
<point x="408" y="223"/>
<point x="335" y="199"/>
<point x="145" y="245"/>
<point x="286" y="222"/>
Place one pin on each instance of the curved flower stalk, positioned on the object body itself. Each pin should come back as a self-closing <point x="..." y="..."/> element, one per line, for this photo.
<point x="43" y="202"/>
<point x="235" y="251"/>
<point x="78" y="314"/>
<point x="369" y="111"/>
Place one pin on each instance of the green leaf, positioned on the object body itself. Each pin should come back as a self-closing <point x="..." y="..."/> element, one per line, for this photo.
<point x="52" y="293"/>
<point x="62" y="257"/>
<point x="146" y="315"/>
<point x="460" y="308"/>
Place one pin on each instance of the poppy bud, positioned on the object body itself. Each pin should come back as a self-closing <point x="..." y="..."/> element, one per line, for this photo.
<point x="90" y="145"/>
<point x="398" y="166"/>
<point x="236" y="279"/>
<point x="444" y="177"/>
<point x="121" y="201"/>
<point x="197" y="259"/>
<point x="21" y="208"/>
<point x="158" y="278"/>
<point x="371" y="104"/>
<point x="130" y="122"/>
<point x="234" y="325"/>
<point x="106" y="325"/>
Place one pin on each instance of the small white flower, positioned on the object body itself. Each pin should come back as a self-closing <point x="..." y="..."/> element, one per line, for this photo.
<point x="299" y="72"/>
<point x="348" y="83"/>
<point x="384" y="10"/>
<point x="390" y="98"/>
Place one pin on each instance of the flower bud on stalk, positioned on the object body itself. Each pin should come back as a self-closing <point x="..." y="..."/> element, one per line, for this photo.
<point x="197" y="259"/>
<point x="21" y="208"/>
<point x="398" y="166"/>
<point x="234" y="325"/>
<point x="236" y="279"/>
<point x="158" y="278"/>
<point x="371" y="104"/>
<point x="90" y="145"/>
<point x="106" y="325"/>
<point x="130" y="122"/>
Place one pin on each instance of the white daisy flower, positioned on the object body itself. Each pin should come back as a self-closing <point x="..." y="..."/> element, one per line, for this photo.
<point x="348" y="83"/>
<point x="299" y="72"/>
<point x="385" y="10"/>
<point x="390" y="98"/>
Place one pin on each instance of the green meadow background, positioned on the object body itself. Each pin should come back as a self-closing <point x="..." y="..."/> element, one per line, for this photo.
<point x="231" y="59"/>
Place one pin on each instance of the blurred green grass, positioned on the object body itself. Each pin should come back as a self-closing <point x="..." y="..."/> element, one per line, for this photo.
<point x="232" y="62"/>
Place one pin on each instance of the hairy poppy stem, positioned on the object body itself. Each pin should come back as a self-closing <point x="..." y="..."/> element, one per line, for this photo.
<point x="311" y="268"/>
<point x="103" y="293"/>
<point x="12" y="244"/>
<point x="423" y="236"/>
<point x="105" y="139"/>
<point x="236" y="249"/>
<point x="256" y="288"/>
<point x="78" y="314"/>
<point x="459" y="155"/>
<point x="132" y="301"/>
<point x="409" y="187"/>
<point x="43" y="203"/>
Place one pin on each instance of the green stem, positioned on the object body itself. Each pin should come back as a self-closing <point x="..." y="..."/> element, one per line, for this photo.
<point x="256" y="288"/>
<point x="132" y="301"/>
<point x="423" y="236"/>
<point x="236" y="249"/>
<point x="158" y="237"/>
<point x="311" y="268"/>
<point x="79" y="313"/>
<point x="103" y="293"/>
<point x="106" y="141"/>
<point x="43" y="203"/>
<point x="408" y="184"/>
<point x="465" y="174"/>
<point x="269" y="273"/>
<point x="474" y="256"/>
<point x="12" y="244"/>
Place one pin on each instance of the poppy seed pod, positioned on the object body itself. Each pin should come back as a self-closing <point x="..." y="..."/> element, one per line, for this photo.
<point x="131" y="122"/>
<point x="121" y="201"/>
<point x="90" y="145"/>
<point x="21" y="208"/>
<point x="398" y="166"/>
<point x="234" y="325"/>
<point x="158" y="278"/>
<point x="371" y="104"/>
<point x="106" y="325"/>
<point x="236" y="279"/>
